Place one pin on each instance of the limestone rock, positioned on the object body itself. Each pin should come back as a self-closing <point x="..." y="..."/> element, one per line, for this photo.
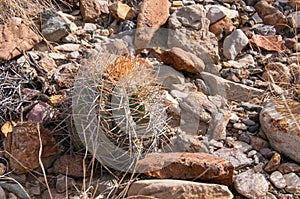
<point x="177" y="189"/>
<point x="278" y="180"/>
<point x="23" y="144"/>
<point x="252" y="185"/>
<point x="228" y="89"/>
<point x="230" y="13"/>
<point x="234" y="44"/>
<point x="153" y="14"/>
<point x="270" y="15"/>
<point x="235" y="156"/>
<point x="53" y="26"/>
<point x="281" y="126"/>
<point x="200" y="166"/>
<point x="182" y="60"/>
<point x="14" y="37"/>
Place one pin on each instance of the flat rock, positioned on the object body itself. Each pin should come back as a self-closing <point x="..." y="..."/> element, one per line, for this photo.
<point x="251" y="185"/>
<point x="68" y="47"/>
<point x="269" y="42"/>
<point x="278" y="180"/>
<point x="23" y="144"/>
<point x="230" y="13"/>
<point x="292" y="183"/>
<point x="200" y="166"/>
<point x="182" y="60"/>
<point x="169" y="77"/>
<point x="235" y="156"/>
<point x="228" y="89"/>
<point x="281" y="126"/>
<point x="234" y="44"/>
<point x="184" y="190"/>
<point x="271" y="15"/>
<point x="14" y="37"/>
<point x="289" y="167"/>
<point x="53" y="26"/>
<point x="153" y="14"/>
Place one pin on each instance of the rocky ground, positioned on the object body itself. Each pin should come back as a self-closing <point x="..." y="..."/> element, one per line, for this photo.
<point x="214" y="84"/>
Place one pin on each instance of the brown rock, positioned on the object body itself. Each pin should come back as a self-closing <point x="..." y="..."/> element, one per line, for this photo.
<point x="288" y="167"/>
<point x="153" y="14"/>
<point x="70" y="165"/>
<point x="183" y="60"/>
<point x="258" y="143"/>
<point x="47" y="64"/>
<point x="270" y="15"/>
<point x="277" y="72"/>
<point x="177" y="189"/>
<point x="274" y="163"/>
<point x="201" y="166"/>
<point x="294" y="3"/>
<point x="92" y="9"/>
<point x="222" y="28"/>
<point x="23" y="146"/>
<point x="15" y="38"/>
<point x="280" y="122"/>
<point x="121" y="11"/>
<point x="270" y="42"/>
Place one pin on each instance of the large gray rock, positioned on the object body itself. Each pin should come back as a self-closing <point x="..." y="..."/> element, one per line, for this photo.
<point x="234" y="44"/>
<point x="235" y="156"/>
<point x="280" y="125"/>
<point x="228" y="89"/>
<point x="169" y="77"/>
<point x="177" y="189"/>
<point x="53" y="26"/>
<point x="252" y="185"/>
<point x="189" y="30"/>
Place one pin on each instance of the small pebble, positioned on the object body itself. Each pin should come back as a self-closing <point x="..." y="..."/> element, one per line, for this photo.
<point x="240" y="126"/>
<point x="278" y="180"/>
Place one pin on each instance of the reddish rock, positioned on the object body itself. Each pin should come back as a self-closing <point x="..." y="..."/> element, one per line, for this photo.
<point x="70" y="165"/>
<point x="294" y="3"/>
<point x="15" y="38"/>
<point x="121" y="11"/>
<point x="196" y="166"/>
<point x="269" y="43"/>
<point x="153" y="14"/>
<point x="183" y="60"/>
<point x="47" y="64"/>
<point x="23" y="146"/>
<point x="92" y="9"/>
<point x="271" y="15"/>
<point x="222" y="28"/>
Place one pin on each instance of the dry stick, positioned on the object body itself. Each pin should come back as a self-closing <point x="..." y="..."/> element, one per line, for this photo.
<point x="40" y="160"/>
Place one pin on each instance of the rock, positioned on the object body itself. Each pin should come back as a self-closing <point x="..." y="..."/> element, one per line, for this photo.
<point x="294" y="3"/>
<point x="189" y="30"/>
<point x="68" y="47"/>
<point x="200" y="166"/>
<point x="277" y="72"/>
<point x="169" y="77"/>
<point x="23" y="144"/>
<point x="41" y="113"/>
<point x="12" y="196"/>
<point x="92" y="9"/>
<point x="288" y="167"/>
<point x="214" y="14"/>
<point x="242" y="146"/>
<point x="240" y="126"/>
<point x="222" y="28"/>
<point x="54" y="194"/>
<point x="199" y="115"/>
<point x="278" y="180"/>
<point x="265" y="30"/>
<point x="269" y="43"/>
<point x="258" y="143"/>
<point x="280" y="125"/>
<point x="292" y="183"/>
<point x="69" y="164"/>
<point x="47" y="64"/>
<point x="63" y="183"/>
<point x="2" y="193"/>
<point x="234" y="44"/>
<point x="14" y="37"/>
<point x="69" y="20"/>
<point x="274" y="163"/>
<point x="121" y="11"/>
<point x="184" y="190"/>
<point x="182" y="60"/>
<point x="228" y="89"/>
<point x="53" y="26"/>
<point x="251" y="185"/>
<point x="266" y="152"/>
<point x="153" y="14"/>
<point x="230" y="13"/>
<point x="270" y="15"/>
<point x="235" y="156"/>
